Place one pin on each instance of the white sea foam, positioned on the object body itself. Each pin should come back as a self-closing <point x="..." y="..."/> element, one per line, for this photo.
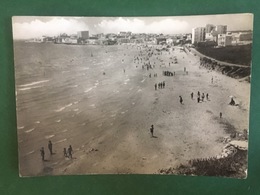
<point x="22" y="127"/>
<point x="63" y="140"/>
<point x="76" y="102"/>
<point x="88" y="90"/>
<point x="65" y="130"/>
<point x="30" y="152"/>
<point x="34" y="83"/>
<point x="75" y="110"/>
<point x="58" y="121"/>
<point x="28" y="88"/>
<point x="62" y="108"/>
<point x="30" y="130"/>
<point x="37" y="122"/>
<point x="49" y="136"/>
<point x="143" y="80"/>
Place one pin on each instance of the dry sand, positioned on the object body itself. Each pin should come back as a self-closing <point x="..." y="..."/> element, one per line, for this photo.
<point x="107" y="122"/>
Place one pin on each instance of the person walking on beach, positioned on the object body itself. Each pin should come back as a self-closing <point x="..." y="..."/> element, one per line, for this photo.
<point x="207" y="96"/>
<point x="191" y="95"/>
<point x="155" y="86"/>
<point x="220" y="115"/>
<point x="181" y="100"/>
<point x="198" y="99"/>
<point x="50" y="147"/>
<point x="202" y="97"/>
<point x="70" y="152"/>
<point x="42" y="153"/>
<point x="198" y="94"/>
<point x="151" y="130"/>
<point x="211" y="79"/>
<point x="65" y="152"/>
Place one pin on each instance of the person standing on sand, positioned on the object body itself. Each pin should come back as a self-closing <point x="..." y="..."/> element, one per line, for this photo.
<point x="181" y="100"/>
<point x="42" y="153"/>
<point x="191" y="95"/>
<point x="70" y="152"/>
<point x="151" y="130"/>
<point x="203" y="96"/>
<point x="198" y="99"/>
<point x="155" y="86"/>
<point x="207" y="96"/>
<point x="220" y="115"/>
<point x="50" y="147"/>
<point x="211" y="79"/>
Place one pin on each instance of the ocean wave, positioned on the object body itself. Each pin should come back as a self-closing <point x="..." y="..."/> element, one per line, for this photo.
<point x="62" y="108"/>
<point x="33" y="83"/>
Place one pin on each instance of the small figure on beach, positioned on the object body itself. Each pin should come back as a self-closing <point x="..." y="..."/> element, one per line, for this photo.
<point x="124" y="70"/>
<point x="155" y="86"/>
<point x="181" y="100"/>
<point x="211" y="79"/>
<point x="42" y="153"/>
<point x="220" y="115"/>
<point x="198" y="94"/>
<point x="191" y="95"/>
<point x="198" y="99"/>
<point x="50" y="147"/>
<point x="202" y="97"/>
<point x="207" y="96"/>
<point x="184" y="69"/>
<point x="232" y="102"/>
<point x="65" y="152"/>
<point x="70" y="152"/>
<point x="151" y="130"/>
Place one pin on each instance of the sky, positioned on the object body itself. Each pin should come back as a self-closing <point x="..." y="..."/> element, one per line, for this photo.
<point x="26" y="27"/>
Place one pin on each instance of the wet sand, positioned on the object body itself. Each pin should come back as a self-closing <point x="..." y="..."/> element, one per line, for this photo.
<point x="106" y="118"/>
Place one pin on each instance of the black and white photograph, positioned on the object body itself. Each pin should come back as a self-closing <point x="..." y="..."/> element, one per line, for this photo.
<point x="133" y="95"/>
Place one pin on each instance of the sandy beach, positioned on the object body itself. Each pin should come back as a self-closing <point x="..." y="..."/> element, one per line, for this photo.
<point x="102" y="102"/>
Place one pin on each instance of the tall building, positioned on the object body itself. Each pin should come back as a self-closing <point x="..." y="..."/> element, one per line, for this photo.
<point x="198" y="35"/>
<point x="83" y="34"/>
<point x="221" y="29"/>
<point x="209" y="28"/>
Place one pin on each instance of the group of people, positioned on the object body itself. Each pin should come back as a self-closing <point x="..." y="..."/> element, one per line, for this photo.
<point x="200" y="97"/>
<point x="168" y="73"/>
<point x="66" y="152"/>
<point x="160" y="85"/>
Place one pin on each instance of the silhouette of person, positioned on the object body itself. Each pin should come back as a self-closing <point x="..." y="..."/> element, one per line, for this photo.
<point x="191" y="95"/>
<point x="155" y="86"/>
<point x="151" y="130"/>
<point x="65" y="152"/>
<point x="70" y="151"/>
<point x="181" y="100"/>
<point x="50" y="147"/>
<point x="42" y="153"/>
<point x="220" y="115"/>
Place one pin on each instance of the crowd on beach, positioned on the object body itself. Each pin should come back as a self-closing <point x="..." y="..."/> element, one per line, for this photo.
<point x="144" y="60"/>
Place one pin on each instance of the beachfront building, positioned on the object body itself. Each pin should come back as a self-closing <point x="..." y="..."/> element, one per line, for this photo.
<point x="83" y="35"/>
<point x="224" y="40"/>
<point x="198" y="35"/>
<point x="160" y="40"/>
<point x="221" y="29"/>
<point x="209" y="28"/>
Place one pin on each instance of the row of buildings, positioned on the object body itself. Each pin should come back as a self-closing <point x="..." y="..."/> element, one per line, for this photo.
<point x="210" y="35"/>
<point x="83" y="37"/>
<point x="218" y="35"/>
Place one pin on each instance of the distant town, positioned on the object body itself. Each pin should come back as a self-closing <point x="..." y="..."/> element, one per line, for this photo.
<point x="208" y="36"/>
